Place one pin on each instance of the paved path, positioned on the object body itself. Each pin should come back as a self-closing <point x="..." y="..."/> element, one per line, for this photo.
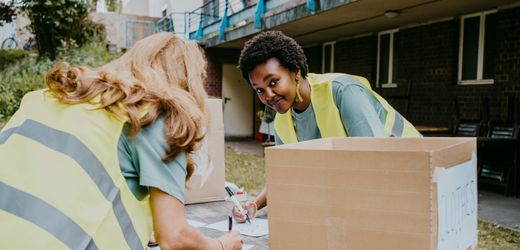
<point x="499" y="209"/>
<point x="492" y="207"/>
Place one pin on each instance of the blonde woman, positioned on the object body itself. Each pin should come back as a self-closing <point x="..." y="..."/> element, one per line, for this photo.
<point x="86" y="161"/>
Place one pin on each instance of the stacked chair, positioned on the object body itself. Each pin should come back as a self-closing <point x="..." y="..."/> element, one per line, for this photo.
<point x="498" y="150"/>
<point x="470" y="127"/>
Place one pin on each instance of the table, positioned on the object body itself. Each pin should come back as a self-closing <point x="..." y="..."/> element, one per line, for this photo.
<point x="433" y="131"/>
<point x="496" y="142"/>
<point x="212" y="212"/>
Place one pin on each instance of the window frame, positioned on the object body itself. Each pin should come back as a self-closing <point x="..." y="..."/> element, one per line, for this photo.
<point x="480" y="57"/>
<point x="332" y="45"/>
<point x="391" y="83"/>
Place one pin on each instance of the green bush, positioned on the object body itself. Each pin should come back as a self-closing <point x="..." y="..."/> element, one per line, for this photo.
<point x="29" y="74"/>
<point x="88" y="31"/>
<point x="11" y="57"/>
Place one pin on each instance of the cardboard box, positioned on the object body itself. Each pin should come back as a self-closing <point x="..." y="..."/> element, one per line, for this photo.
<point x="373" y="193"/>
<point x="207" y="182"/>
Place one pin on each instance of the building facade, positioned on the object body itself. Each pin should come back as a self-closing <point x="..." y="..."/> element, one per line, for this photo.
<point x="436" y="61"/>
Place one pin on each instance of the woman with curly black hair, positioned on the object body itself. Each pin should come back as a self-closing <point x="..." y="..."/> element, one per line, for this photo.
<point x="311" y="106"/>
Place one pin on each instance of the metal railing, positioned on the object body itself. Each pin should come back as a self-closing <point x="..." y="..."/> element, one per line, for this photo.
<point x="213" y="12"/>
<point x="184" y="23"/>
<point x="174" y="22"/>
<point x="138" y="29"/>
<point x="217" y="15"/>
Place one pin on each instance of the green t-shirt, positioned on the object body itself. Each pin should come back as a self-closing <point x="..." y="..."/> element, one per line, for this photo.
<point x="361" y="113"/>
<point x="141" y="164"/>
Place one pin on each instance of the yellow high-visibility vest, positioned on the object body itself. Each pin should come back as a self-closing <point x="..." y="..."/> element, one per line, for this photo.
<point x="61" y="186"/>
<point x="328" y="117"/>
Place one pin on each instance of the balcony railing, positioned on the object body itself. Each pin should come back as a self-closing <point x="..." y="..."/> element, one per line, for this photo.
<point x="215" y="16"/>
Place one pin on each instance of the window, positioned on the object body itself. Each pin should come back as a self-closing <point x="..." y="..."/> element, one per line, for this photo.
<point x="387" y="58"/>
<point x="327" y="59"/>
<point x="476" y="48"/>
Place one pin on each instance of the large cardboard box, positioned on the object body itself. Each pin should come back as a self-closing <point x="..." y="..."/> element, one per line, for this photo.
<point x="207" y="182"/>
<point x="373" y="193"/>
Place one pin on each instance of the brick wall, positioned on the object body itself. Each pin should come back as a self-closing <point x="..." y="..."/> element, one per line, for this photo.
<point x="428" y="60"/>
<point x="507" y="59"/>
<point x="357" y="57"/>
<point x="216" y="57"/>
<point x="313" y="55"/>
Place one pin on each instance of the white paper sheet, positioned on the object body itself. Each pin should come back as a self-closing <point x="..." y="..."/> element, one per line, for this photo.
<point x="244" y="247"/>
<point x="457" y="205"/>
<point x="257" y="228"/>
<point x="195" y="223"/>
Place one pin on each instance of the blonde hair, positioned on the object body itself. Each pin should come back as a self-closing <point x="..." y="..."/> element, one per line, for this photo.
<point x="161" y="74"/>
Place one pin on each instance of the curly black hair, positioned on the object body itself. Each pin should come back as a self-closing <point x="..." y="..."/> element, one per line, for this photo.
<point x="272" y="44"/>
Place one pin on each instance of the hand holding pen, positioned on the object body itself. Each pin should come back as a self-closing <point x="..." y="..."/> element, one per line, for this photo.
<point x="231" y="240"/>
<point x="251" y="209"/>
<point x="238" y="209"/>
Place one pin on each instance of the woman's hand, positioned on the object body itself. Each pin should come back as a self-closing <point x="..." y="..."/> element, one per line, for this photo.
<point x="250" y="207"/>
<point x="231" y="241"/>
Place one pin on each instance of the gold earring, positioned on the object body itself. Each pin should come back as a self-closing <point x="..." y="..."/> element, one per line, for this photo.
<point x="298" y="95"/>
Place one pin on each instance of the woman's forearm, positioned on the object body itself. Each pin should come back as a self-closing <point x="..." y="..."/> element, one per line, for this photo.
<point x="261" y="199"/>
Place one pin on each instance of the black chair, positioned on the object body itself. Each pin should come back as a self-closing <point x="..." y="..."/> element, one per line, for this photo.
<point x="467" y="129"/>
<point x="497" y="155"/>
<point x="470" y="126"/>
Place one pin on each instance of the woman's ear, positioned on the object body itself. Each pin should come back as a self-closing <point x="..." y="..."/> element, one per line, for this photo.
<point x="297" y="76"/>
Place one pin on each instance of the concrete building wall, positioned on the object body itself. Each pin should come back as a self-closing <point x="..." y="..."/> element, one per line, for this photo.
<point x="135" y="7"/>
<point x="123" y="29"/>
<point x="19" y="28"/>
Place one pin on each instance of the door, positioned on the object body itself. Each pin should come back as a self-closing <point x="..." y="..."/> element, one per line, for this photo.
<point x="237" y="98"/>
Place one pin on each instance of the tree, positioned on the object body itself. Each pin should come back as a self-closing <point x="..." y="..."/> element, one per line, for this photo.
<point x="55" y="23"/>
<point x="7" y="13"/>
<point x="112" y="5"/>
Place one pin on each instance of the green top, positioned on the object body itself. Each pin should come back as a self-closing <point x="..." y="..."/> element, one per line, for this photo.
<point x="141" y="164"/>
<point x="361" y="113"/>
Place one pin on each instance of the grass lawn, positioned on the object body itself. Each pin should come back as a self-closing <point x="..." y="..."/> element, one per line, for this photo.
<point x="245" y="170"/>
<point x="248" y="171"/>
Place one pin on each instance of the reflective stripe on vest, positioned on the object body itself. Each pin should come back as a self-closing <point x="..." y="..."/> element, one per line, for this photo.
<point x="51" y="218"/>
<point x="328" y="117"/>
<point x="45" y="216"/>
